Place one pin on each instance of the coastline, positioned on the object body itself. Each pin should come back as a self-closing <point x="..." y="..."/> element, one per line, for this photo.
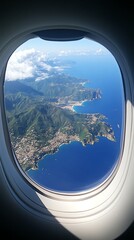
<point x="35" y="167"/>
<point x="72" y="105"/>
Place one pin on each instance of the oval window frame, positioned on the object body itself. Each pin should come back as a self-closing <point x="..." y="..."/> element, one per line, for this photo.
<point x="68" y="208"/>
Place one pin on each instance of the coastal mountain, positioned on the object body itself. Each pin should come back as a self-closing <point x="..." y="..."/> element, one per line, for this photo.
<point x="14" y="87"/>
<point x="63" y="86"/>
<point x="40" y="117"/>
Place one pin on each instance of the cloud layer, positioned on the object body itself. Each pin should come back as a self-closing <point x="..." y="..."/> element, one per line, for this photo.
<point x="30" y="63"/>
<point x="33" y="63"/>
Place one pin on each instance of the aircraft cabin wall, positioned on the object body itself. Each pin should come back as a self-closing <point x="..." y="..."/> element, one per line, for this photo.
<point x="112" y="25"/>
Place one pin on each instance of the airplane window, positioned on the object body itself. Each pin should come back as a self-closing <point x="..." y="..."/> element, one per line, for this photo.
<point x="64" y="104"/>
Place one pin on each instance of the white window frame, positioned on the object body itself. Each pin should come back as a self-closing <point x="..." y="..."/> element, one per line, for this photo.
<point x="103" y="206"/>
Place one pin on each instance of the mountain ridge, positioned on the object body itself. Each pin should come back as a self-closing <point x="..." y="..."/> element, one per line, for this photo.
<point x="39" y="122"/>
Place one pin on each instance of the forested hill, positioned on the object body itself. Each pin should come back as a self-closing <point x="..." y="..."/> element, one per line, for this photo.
<point x="14" y="87"/>
<point x="39" y="120"/>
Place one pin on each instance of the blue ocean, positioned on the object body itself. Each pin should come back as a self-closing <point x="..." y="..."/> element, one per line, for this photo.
<point x="75" y="167"/>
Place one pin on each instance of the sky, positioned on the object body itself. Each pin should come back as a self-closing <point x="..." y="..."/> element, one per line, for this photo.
<point x="32" y="59"/>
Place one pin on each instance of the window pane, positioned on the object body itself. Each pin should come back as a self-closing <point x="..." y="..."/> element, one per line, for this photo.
<point x="64" y="105"/>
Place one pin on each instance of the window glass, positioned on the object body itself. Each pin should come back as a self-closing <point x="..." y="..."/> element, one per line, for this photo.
<point x="64" y="105"/>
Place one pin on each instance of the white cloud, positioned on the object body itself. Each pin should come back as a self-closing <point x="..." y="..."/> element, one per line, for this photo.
<point x="31" y="63"/>
<point x="26" y="64"/>
<point x="65" y="53"/>
<point x="101" y="51"/>
<point x="98" y="51"/>
<point x="42" y="77"/>
<point x="81" y="52"/>
<point x="20" y="65"/>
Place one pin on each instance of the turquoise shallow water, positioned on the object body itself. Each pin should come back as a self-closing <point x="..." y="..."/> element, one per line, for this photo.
<point x="74" y="167"/>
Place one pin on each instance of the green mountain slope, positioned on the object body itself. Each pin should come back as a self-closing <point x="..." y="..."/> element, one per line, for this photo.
<point x="42" y="123"/>
<point x="39" y="120"/>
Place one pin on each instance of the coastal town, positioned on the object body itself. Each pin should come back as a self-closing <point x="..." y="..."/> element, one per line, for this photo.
<point x="29" y="150"/>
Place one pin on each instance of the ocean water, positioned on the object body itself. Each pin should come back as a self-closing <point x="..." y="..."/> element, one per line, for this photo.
<point x="75" y="167"/>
